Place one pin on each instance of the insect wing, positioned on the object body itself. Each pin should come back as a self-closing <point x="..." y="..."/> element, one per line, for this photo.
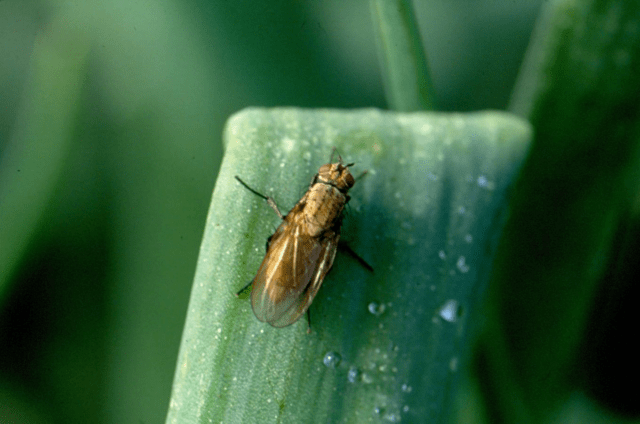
<point x="290" y="275"/>
<point x="302" y="303"/>
<point x="281" y="279"/>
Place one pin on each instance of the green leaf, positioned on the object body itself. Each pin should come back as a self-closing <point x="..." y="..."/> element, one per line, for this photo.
<point x="407" y="81"/>
<point x="37" y="151"/>
<point x="580" y="89"/>
<point x="388" y="344"/>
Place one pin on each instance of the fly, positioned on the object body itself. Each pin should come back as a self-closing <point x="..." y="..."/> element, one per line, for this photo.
<point x="301" y="251"/>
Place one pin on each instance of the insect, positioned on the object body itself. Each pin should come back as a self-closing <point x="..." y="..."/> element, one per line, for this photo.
<point x="301" y="251"/>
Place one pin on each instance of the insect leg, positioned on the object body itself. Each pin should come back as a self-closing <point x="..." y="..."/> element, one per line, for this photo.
<point x="361" y="175"/>
<point x="244" y="289"/>
<point x="354" y="255"/>
<point x="269" y="200"/>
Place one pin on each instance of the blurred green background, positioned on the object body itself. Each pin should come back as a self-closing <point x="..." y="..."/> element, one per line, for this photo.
<point x="110" y="142"/>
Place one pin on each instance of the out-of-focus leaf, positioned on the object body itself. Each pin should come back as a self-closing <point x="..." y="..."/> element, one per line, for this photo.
<point x="580" y="89"/>
<point x="33" y="164"/>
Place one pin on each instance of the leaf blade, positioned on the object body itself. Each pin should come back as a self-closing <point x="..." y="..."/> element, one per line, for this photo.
<point x="233" y="368"/>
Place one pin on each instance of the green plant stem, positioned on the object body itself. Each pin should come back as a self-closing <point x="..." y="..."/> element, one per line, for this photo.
<point x="405" y="71"/>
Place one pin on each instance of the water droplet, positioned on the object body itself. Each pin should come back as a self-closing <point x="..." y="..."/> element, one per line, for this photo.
<point x="405" y="408"/>
<point x="484" y="182"/>
<point x="453" y="364"/>
<point x="353" y="374"/>
<point x="406" y="388"/>
<point x="288" y="144"/>
<point x="468" y="238"/>
<point x="442" y="255"/>
<point x="376" y="309"/>
<point x="462" y="265"/>
<point x="450" y="311"/>
<point x="332" y="359"/>
<point x="392" y="418"/>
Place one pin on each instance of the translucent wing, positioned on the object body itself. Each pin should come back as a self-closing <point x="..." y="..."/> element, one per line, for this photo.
<point x="290" y="274"/>
<point x="302" y="303"/>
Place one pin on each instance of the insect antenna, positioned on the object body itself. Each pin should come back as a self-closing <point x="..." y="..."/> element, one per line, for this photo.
<point x="349" y="165"/>
<point x="333" y="152"/>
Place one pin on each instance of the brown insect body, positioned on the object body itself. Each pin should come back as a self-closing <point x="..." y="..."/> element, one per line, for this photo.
<point x="301" y="251"/>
